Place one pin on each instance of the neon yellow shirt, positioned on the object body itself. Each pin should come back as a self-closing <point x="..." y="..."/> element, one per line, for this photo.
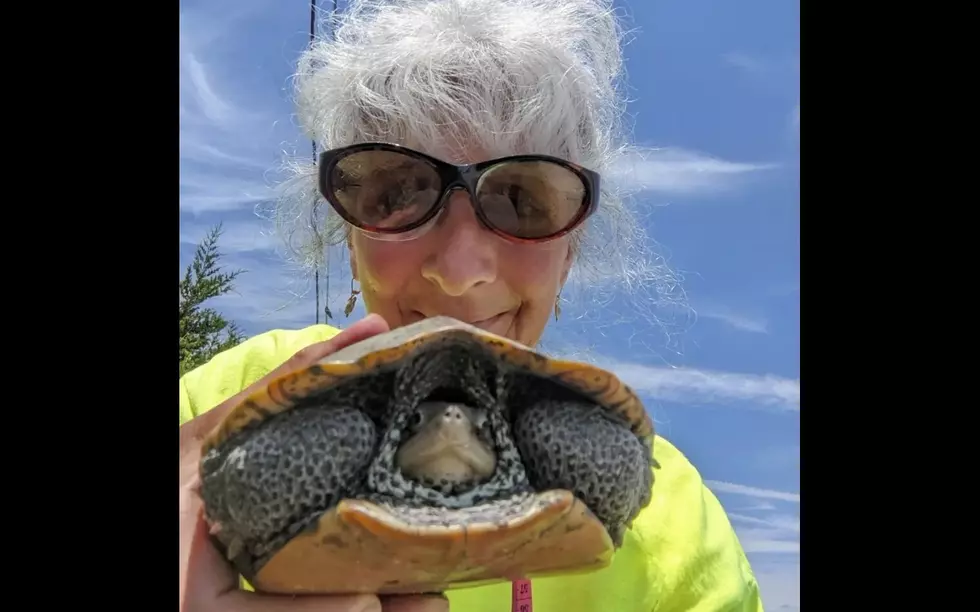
<point x="681" y="555"/>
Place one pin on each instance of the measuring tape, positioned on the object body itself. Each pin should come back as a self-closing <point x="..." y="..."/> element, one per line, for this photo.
<point x="521" y="596"/>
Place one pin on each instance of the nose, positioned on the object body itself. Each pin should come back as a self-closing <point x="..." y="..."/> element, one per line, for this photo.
<point x="453" y="413"/>
<point x="465" y="253"/>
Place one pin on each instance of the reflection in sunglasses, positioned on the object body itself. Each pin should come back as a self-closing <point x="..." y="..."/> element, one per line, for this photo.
<point x="391" y="189"/>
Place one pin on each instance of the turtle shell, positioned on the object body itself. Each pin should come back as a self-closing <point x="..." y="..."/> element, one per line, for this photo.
<point x="303" y="495"/>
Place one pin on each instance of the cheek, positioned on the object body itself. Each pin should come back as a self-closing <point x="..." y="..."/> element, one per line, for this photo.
<point x="534" y="271"/>
<point x="383" y="268"/>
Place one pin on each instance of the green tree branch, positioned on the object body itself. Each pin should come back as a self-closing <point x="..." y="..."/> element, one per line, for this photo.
<point x="204" y="332"/>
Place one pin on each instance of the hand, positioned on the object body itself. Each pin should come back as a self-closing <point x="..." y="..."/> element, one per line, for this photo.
<point x="208" y="583"/>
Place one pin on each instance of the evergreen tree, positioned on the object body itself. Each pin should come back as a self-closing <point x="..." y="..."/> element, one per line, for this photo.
<point x="204" y="332"/>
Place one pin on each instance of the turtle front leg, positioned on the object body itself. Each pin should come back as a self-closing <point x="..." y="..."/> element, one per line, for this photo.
<point x="580" y="447"/>
<point x="265" y="485"/>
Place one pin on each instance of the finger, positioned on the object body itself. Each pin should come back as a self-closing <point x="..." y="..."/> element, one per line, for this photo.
<point x="244" y="601"/>
<point x="370" y="325"/>
<point x="203" y="571"/>
<point x="415" y="603"/>
<point x="206" y="573"/>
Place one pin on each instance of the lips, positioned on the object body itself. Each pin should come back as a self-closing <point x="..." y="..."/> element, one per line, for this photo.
<point x="488" y="323"/>
<point x="489" y="320"/>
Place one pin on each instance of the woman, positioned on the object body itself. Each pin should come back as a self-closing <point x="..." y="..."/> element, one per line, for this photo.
<point x="462" y="82"/>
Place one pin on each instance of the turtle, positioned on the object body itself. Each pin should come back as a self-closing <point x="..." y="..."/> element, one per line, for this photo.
<point x="436" y="455"/>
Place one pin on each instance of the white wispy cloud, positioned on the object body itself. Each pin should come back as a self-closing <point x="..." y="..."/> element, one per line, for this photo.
<point x="779" y="456"/>
<point x="681" y="172"/>
<point x="237" y="235"/>
<point x="763" y="541"/>
<point x="691" y="385"/>
<point x="270" y="294"/>
<point x="738" y="320"/>
<point x="746" y="62"/>
<point x="721" y="486"/>
<point x="228" y="142"/>
<point x="780" y="73"/>
<point x="784" y="523"/>
<point x="769" y="533"/>
<point x="779" y="583"/>
<point x="756" y="506"/>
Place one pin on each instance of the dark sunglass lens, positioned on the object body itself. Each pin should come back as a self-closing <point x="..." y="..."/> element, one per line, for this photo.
<point x="384" y="190"/>
<point x="531" y="199"/>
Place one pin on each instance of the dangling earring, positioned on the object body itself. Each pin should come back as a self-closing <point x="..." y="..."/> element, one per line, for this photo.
<point x="352" y="300"/>
<point x="557" y="305"/>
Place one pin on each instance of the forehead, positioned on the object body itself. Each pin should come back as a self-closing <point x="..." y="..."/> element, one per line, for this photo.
<point x="458" y="153"/>
<point x="465" y="144"/>
<point x="387" y="161"/>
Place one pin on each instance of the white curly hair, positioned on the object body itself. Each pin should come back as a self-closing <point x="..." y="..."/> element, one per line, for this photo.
<point x="506" y="76"/>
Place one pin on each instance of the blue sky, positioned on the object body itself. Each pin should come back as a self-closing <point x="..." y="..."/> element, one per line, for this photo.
<point x="715" y="84"/>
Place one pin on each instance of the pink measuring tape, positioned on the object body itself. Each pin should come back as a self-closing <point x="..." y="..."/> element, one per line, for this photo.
<point x="521" y="596"/>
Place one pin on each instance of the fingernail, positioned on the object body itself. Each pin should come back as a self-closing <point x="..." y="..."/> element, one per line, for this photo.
<point x="368" y="603"/>
<point x="438" y="603"/>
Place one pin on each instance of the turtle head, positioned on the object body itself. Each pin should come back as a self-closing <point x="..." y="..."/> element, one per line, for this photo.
<point x="445" y="442"/>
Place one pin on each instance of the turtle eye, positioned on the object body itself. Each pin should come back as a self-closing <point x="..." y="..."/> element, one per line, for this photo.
<point x="416" y="419"/>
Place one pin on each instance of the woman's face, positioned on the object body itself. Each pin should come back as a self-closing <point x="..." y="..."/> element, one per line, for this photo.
<point x="461" y="269"/>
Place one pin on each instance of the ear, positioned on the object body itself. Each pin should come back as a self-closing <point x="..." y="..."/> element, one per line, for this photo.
<point x="566" y="267"/>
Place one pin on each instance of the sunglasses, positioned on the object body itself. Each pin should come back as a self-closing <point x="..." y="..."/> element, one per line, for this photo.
<point x="391" y="192"/>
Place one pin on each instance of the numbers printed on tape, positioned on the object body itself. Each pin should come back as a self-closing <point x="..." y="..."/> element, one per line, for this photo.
<point x="521" y="594"/>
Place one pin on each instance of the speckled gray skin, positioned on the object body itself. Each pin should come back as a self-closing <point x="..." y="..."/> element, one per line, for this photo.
<point x="580" y="447"/>
<point x="454" y="370"/>
<point x="285" y="473"/>
<point x="269" y="482"/>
